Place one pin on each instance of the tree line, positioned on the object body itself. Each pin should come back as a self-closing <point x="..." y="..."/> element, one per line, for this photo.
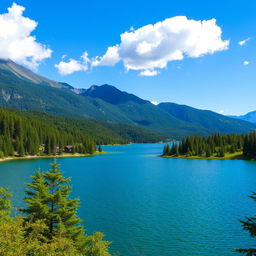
<point x="21" y="135"/>
<point x="214" y="145"/>
<point x="48" y="225"/>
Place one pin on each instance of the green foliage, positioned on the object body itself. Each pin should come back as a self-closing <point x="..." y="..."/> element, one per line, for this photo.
<point x="14" y="240"/>
<point x="214" y="145"/>
<point x="249" y="224"/>
<point x="23" y="134"/>
<point x="5" y="204"/>
<point x="95" y="245"/>
<point x="132" y="133"/>
<point x="48" y="199"/>
<point x="167" y="150"/>
<point x="51" y="226"/>
<point x="249" y="149"/>
<point x="33" y="133"/>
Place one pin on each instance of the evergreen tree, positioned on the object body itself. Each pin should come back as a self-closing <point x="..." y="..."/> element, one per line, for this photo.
<point x="249" y="225"/>
<point x="48" y="146"/>
<point x="222" y="152"/>
<point x="48" y="199"/>
<point x="20" y="149"/>
<point x="208" y="152"/>
<point x="167" y="150"/>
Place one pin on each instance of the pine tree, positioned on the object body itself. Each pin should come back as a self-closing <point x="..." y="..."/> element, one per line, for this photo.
<point x="165" y="151"/>
<point x="176" y="150"/>
<point x="48" y="146"/>
<point x="53" y="145"/>
<point x="48" y="199"/>
<point x="208" y="152"/>
<point x="249" y="225"/>
<point x="20" y="147"/>
<point x="222" y="152"/>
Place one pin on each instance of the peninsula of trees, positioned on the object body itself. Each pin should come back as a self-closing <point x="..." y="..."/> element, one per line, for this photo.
<point x="215" y="146"/>
<point x="48" y="226"/>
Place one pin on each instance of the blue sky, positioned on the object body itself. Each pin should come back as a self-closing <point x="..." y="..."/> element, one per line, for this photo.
<point x="218" y="81"/>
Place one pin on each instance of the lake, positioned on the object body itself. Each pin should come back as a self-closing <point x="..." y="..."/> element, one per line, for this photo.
<point x="148" y="205"/>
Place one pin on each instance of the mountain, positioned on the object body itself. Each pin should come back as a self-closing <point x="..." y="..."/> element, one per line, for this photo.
<point x="22" y="89"/>
<point x="27" y="75"/>
<point x="102" y="132"/>
<point x="206" y="119"/>
<point x="112" y="95"/>
<point x="143" y="113"/>
<point x="249" y="117"/>
<point x="182" y="120"/>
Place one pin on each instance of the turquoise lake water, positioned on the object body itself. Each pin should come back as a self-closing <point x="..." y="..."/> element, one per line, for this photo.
<point x="150" y="206"/>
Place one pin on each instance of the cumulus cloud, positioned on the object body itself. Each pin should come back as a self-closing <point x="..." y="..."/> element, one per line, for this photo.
<point x="16" y="41"/>
<point x="243" y="42"/>
<point x="71" y="66"/>
<point x="151" y="47"/>
<point x="149" y="72"/>
<point x="110" y="58"/>
<point x="246" y="62"/>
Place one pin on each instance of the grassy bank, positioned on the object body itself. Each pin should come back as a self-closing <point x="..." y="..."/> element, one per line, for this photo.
<point x="49" y="156"/>
<point x="237" y="155"/>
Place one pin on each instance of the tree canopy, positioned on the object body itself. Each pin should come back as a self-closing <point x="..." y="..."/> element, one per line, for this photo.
<point x="215" y="145"/>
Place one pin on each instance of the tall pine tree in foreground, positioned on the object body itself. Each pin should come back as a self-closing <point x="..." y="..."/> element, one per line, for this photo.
<point x="48" y="201"/>
<point x="249" y="224"/>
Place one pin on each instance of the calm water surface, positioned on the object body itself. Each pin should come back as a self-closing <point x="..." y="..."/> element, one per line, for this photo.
<point x="153" y="206"/>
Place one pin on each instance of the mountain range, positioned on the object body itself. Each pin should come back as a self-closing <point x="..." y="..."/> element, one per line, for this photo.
<point x="250" y="117"/>
<point x="22" y="89"/>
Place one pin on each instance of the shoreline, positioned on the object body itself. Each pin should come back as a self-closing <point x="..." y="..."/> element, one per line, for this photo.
<point x="12" y="158"/>
<point x="234" y="156"/>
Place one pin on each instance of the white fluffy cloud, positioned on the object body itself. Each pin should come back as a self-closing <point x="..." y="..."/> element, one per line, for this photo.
<point x="67" y="68"/>
<point x="243" y="42"/>
<point x="246" y="62"/>
<point x="151" y="47"/>
<point x="16" y="41"/>
<point x="110" y="58"/>
<point x="148" y="72"/>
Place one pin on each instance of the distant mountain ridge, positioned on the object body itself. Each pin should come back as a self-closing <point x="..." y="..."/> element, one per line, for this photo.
<point x="249" y="117"/>
<point x="205" y="118"/>
<point x="22" y="89"/>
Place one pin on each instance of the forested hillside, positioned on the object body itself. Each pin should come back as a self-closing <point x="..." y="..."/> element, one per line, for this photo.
<point x="102" y="132"/>
<point x="20" y="135"/>
<point x="32" y="133"/>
